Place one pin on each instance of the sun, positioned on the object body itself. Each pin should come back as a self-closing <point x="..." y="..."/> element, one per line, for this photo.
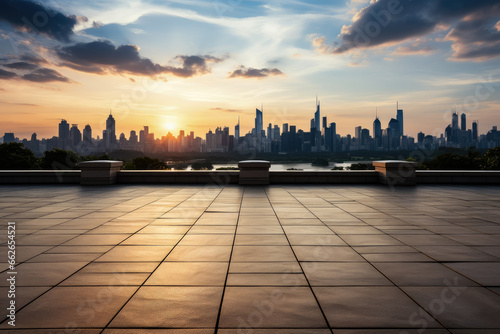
<point x="170" y="126"/>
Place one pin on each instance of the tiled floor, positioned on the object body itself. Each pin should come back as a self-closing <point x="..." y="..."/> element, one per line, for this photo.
<point x="254" y="260"/>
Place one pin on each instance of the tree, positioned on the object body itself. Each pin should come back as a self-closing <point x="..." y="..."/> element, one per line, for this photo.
<point x="492" y="159"/>
<point x="146" y="163"/>
<point x="204" y="165"/>
<point x="16" y="157"/>
<point x="60" y="160"/>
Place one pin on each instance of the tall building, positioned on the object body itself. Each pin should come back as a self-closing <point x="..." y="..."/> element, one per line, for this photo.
<point x="111" y="129"/>
<point x="87" y="134"/>
<point x="9" y="137"/>
<point x="317" y="116"/>
<point x="454" y="121"/>
<point x="63" y="130"/>
<point x="377" y="131"/>
<point x="75" y="136"/>
<point x="463" y="122"/>
<point x="285" y="128"/>
<point x="133" y="137"/>
<point x="474" y="130"/>
<point x="357" y="132"/>
<point x="237" y="130"/>
<point x="399" y="118"/>
<point x="259" y="122"/>
<point x="394" y="133"/>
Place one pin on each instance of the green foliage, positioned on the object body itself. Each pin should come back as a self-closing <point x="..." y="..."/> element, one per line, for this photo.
<point x="145" y="163"/>
<point x="180" y="166"/>
<point x="338" y="168"/>
<point x="473" y="160"/>
<point x="95" y="157"/>
<point x="320" y="162"/>
<point x="228" y="168"/>
<point x="60" y="160"/>
<point x="14" y="156"/>
<point x="204" y="165"/>
<point x="361" y="167"/>
<point x="492" y="159"/>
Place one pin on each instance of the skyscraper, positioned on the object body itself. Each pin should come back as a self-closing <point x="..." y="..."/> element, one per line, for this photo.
<point x="259" y="122"/>
<point x="454" y="121"/>
<point x="377" y="131"/>
<point x="474" y="130"/>
<point x="63" y="130"/>
<point x="237" y="130"/>
<point x="75" y="135"/>
<point x="111" y="129"/>
<point x="394" y="133"/>
<point x="317" y="116"/>
<point x="87" y="133"/>
<point x="463" y="122"/>
<point x="399" y="118"/>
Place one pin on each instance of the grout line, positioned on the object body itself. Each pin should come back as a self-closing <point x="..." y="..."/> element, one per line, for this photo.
<point x="300" y="264"/>
<point x="229" y="265"/>
<point x="439" y="322"/>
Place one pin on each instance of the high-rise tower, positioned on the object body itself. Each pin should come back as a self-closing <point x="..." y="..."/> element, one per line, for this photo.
<point x="317" y="116"/>
<point x="237" y="130"/>
<point x="399" y="117"/>
<point x="64" y="130"/>
<point x="259" y="121"/>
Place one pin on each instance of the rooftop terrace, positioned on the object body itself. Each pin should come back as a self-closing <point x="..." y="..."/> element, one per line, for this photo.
<point x="263" y="260"/>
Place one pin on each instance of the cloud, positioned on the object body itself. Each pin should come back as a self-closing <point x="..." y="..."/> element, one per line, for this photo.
<point x="243" y="72"/>
<point x="21" y="65"/>
<point x="102" y="57"/>
<point x="227" y="110"/>
<point x="477" y="38"/>
<point x="33" y="17"/>
<point x="7" y="74"/>
<point x="33" y="59"/>
<point x="419" y="47"/>
<point x="45" y="75"/>
<point x="387" y="22"/>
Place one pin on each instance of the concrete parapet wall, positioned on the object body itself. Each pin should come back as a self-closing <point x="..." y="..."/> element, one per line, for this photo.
<point x="474" y="177"/>
<point x="327" y="177"/>
<point x="177" y="177"/>
<point x="40" y="177"/>
<point x="232" y="177"/>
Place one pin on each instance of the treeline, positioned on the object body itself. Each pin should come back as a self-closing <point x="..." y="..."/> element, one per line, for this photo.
<point x="14" y="156"/>
<point x="472" y="160"/>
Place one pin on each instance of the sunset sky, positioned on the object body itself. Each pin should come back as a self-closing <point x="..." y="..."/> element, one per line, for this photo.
<point x="195" y="65"/>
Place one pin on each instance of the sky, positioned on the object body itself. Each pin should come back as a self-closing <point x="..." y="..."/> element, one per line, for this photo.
<point x="196" y="65"/>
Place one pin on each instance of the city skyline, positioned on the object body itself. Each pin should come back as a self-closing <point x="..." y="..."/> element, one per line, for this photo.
<point x="285" y="138"/>
<point x="195" y="65"/>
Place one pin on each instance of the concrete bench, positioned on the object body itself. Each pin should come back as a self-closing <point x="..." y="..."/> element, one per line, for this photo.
<point x="396" y="172"/>
<point x="254" y="172"/>
<point x="99" y="172"/>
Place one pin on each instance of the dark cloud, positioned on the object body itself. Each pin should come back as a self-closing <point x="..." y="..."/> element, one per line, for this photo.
<point x="477" y="38"/>
<point x="243" y="72"/>
<point x="102" y="57"/>
<point x="21" y="65"/>
<point x="33" y="59"/>
<point x="45" y="75"/>
<point x="33" y="17"/>
<point x="387" y="22"/>
<point x="7" y="74"/>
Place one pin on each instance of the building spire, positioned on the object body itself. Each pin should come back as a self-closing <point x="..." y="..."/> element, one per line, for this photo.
<point x="376" y="112"/>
